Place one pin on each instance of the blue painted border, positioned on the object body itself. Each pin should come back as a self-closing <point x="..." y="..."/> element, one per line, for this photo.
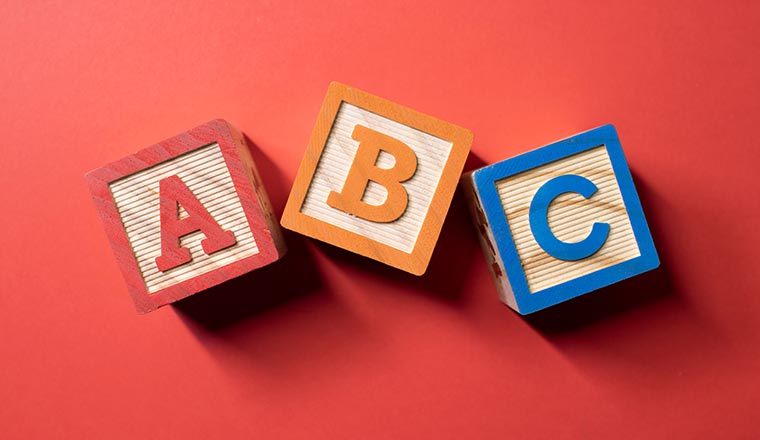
<point x="485" y="179"/>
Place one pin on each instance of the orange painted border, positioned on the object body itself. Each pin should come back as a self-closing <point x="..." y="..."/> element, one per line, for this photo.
<point x="417" y="261"/>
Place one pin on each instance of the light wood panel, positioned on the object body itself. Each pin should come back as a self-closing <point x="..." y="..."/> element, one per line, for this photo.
<point x="206" y="175"/>
<point x="570" y="218"/>
<point x="337" y="159"/>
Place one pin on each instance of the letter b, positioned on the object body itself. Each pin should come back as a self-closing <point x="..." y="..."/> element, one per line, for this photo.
<point x="412" y="160"/>
<point x="364" y="169"/>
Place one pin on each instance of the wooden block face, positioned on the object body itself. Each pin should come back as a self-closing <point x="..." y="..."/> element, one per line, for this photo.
<point x="570" y="218"/>
<point x="186" y="214"/>
<point x="335" y="164"/>
<point x="207" y="177"/>
<point x="377" y="178"/>
<point x="565" y="220"/>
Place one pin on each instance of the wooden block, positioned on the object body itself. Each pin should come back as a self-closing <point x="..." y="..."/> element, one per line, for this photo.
<point x="186" y="214"/>
<point x="560" y="221"/>
<point x="377" y="178"/>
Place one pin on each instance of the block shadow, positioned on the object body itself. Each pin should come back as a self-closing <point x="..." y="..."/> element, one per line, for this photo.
<point x="251" y="294"/>
<point x="452" y="257"/>
<point x="655" y="285"/>
<point x="254" y="293"/>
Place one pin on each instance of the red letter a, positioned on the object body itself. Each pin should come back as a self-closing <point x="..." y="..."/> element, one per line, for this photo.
<point x="172" y="193"/>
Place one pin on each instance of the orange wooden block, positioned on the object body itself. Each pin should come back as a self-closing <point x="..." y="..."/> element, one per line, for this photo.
<point x="377" y="178"/>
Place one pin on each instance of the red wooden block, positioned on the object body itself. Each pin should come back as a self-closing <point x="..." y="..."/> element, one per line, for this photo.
<point x="186" y="214"/>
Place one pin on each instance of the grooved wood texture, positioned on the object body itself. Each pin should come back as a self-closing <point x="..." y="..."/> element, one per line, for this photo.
<point x="570" y="218"/>
<point x="440" y="150"/>
<point x="337" y="158"/>
<point x="137" y="200"/>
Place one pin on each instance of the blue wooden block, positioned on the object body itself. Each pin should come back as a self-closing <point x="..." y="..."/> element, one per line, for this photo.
<point x="561" y="220"/>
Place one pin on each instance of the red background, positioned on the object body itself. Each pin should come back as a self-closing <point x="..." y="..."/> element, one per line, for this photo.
<point x="326" y="344"/>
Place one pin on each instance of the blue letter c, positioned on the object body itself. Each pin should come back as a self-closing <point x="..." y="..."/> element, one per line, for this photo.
<point x="539" y="223"/>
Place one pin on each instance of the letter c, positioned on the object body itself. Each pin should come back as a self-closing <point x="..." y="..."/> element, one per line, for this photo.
<point x="539" y="223"/>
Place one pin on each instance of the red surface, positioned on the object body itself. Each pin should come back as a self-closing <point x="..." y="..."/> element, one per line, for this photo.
<point x="324" y="344"/>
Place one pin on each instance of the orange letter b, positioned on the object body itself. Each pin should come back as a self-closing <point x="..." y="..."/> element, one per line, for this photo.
<point x="364" y="170"/>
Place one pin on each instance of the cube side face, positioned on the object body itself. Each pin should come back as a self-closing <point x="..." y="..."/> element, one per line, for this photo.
<point x="169" y="200"/>
<point x="272" y="229"/>
<point x="573" y="217"/>
<point x="488" y="239"/>
<point x="377" y="178"/>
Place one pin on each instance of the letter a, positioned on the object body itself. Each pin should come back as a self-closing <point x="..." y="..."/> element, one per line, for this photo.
<point x="173" y="192"/>
<point x="364" y="170"/>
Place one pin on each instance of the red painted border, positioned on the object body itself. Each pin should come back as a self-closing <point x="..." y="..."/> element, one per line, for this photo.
<point x="240" y="164"/>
